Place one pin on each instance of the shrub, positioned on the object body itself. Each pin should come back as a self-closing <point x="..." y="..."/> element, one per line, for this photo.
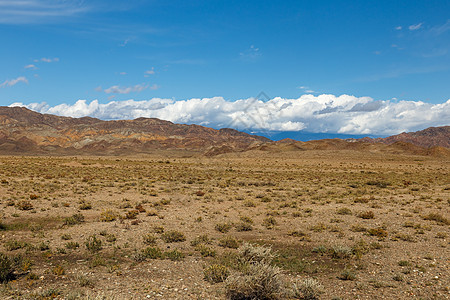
<point x="201" y="239"/>
<point x="270" y="222"/>
<point x="74" y="220"/>
<point x="243" y="226"/>
<point x="132" y="214"/>
<point x="366" y="215"/>
<point x="378" y="232"/>
<point x="7" y="268"/>
<point x="216" y="273"/>
<point x="149" y="239"/>
<point x="66" y="237"/>
<point x="307" y="289"/>
<point x="174" y="255"/>
<point x="58" y="270"/>
<point x="205" y="251"/>
<point x="339" y="251"/>
<point x="173" y="236"/>
<point x="85" y="205"/>
<point x="24" y="205"/>
<point x="223" y="227"/>
<point x="140" y="208"/>
<point x="108" y="216"/>
<point x="344" y="211"/>
<point x="72" y="245"/>
<point x="93" y="244"/>
<point x="250" y="254"/>
<point x="152" y="253"/>
<point x="347" y="275"/>
<point x="258" y="281"/>
<point x="436" y="217"/>
<point x="229" y="242"/>
<point x="14" y="245"/>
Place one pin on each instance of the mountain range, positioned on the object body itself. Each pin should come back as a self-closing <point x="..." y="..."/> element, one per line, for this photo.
<point x="23" y="131"/>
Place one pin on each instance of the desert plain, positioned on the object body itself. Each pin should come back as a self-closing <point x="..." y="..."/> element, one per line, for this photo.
<point x="339" y="224"/>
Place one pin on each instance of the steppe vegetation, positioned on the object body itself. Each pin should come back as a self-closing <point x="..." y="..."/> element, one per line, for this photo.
<point x="295" y="225"/>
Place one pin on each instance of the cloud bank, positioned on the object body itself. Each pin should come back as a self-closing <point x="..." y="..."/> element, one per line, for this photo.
<point x="324" y="113"/>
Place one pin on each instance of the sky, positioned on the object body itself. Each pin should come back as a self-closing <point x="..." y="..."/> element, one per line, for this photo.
<point x="346" y="67"/>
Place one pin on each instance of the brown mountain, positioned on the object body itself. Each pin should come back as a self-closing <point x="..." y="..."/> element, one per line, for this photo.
<point x="427" y="138"/>
<point x="26" y="131"/>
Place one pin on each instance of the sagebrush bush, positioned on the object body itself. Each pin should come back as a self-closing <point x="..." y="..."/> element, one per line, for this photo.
<point x="307" y="289"/>
<point x="250" y="254"/>
<point x="258" y="281"/>
<point x="340" y="251"/>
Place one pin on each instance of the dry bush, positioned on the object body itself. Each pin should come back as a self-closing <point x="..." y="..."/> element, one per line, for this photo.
<point x="307" y="289"/>
<point x="251" y="254"/>
<point x="258" y="281"/>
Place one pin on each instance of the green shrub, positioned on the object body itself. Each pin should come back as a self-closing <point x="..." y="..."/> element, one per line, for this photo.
<point x="173" y="236"/>
<point x="229" y="242"/>
<point x="74" y="220"/>
<point x="6" y="268"/>
<point x="215" y="273"/>
<point x="201" y="239"/>
<point x="152" y="253"/>
<point x="149" y="239"/>
<point x="93" y="244"/>
<point x="223" y="227"/>
<point x="174" y="255"/>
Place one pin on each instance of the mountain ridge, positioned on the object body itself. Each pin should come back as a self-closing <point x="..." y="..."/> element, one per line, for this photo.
<point x="23" y="131"/>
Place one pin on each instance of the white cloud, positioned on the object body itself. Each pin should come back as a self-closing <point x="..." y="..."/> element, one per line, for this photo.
<point x="398" y="28"/>
<point x="33" y="11"/>
<point x="149" y="72"/>
<point x="415" y="26"/>
<point x="31" y="66"/>
<point x="47" y="60"/>
<point x="322" y="113"/>
<point x="116" y="89"/>
<point x="13" y="82"/>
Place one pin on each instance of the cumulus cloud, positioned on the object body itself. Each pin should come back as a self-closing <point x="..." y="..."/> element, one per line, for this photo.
<point x="13" y="82"/>
<point x="116" y="89"/>
<point x="323" y="113"/>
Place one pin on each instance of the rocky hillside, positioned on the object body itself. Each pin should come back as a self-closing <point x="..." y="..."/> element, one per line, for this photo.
<point x="26" y="131"/>
<point x="430" y="137"/>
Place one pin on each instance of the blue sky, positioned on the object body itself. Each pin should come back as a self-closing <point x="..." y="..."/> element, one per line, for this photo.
<point x="108" y="52"/>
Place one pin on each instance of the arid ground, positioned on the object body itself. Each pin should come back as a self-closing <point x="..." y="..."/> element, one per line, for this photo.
<point x="363" y="225"/>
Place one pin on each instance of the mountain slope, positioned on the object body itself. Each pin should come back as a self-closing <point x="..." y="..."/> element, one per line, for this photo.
<point x="22" y="130"/>
<point x="430" y="137"/>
